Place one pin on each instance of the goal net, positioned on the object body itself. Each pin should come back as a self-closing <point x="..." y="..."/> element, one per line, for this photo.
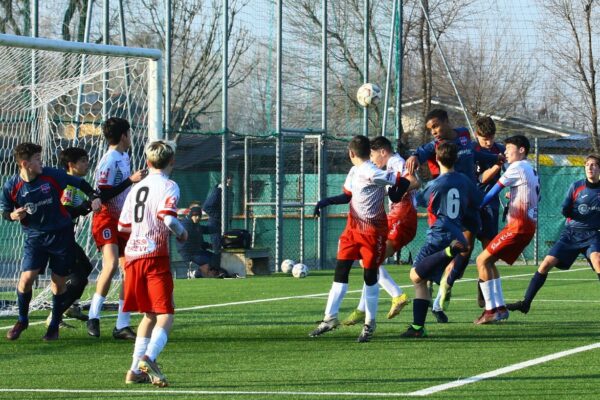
<point x="57" y="94"/>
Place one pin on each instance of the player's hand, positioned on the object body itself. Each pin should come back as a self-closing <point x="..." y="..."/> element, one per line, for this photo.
<point x="183" y="237"/>
<point x="507" y="195"/>
<point x="96" y="204"/>
<point x="501" y="159"/>
<point x="18" y="214"/>
<point x="412" y="163"/>
<point x="317" y="211"/>
<point x="138" y="175"/>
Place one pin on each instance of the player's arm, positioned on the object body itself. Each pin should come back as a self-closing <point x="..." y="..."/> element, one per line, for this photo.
<point x="9" y="212"/>
<point x="398" y="185"/>
<point x="126" y="216"/>
<point x="489" y="174"/>
<point x="567" y="205"/>
<point x="488" y="158"/>
<point x="421" y="154"/>
<point x="168" y="213"/>
<point x="493" y="192"/>
<point x="343" y="198"/>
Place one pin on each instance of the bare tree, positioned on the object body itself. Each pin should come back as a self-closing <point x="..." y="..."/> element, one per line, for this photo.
<point x="570" y="35"/>
<point x="14" y="17"/>
<point x="196" y="52"/>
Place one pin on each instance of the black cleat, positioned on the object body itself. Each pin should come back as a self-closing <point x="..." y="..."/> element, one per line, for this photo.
<point x="124" y="333"/>
<point x="518" y="306"/>
<point x="440" y="316"/>
<point x="366" y="334"/>
<point x="93" y="327"/>
<point x="51" y="335"/>
<point x="411" y="332"/>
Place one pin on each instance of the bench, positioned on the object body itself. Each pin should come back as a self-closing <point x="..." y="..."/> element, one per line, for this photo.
<point x="246" y="261"/>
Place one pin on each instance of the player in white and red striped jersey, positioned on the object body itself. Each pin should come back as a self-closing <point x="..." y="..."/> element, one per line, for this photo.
<point x="364" y="237"/>
<point x="402" y="227"/>
<point x="113" y="178"/>
<point x="149" y="215"/>
<point x="524" y="186"/>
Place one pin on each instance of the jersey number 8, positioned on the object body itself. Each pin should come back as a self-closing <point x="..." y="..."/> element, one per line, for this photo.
<point x="140" y="204"/>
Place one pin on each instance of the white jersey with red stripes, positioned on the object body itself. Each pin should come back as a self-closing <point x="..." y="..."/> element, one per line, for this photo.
<point x="112" y="169"/>
<point x="524" y="184"/>
<point x="146" y="205"/>
<point x="367" y="185"/>
<point x="396" y="164"/>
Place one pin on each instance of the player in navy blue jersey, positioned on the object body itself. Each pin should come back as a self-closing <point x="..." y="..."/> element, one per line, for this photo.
<point x="33" y="197"/>
<point x="580" y="235"/>
<point x="447" y="199"/>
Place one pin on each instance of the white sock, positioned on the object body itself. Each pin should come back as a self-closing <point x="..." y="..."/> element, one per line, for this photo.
<point x="361" y="303"/>
<point x="436" y="303"/>
<point x="486" y="290"/>
<point x="139" y="349"/>
<point x="498" y="294"/>
<point x="157" y="343"/>
<point x="372" y="297"/>
<point x="96" y="306"/>
<point x="123" y="318"/>
<point x="336" y="295"/>
<point x="388" y="284"/>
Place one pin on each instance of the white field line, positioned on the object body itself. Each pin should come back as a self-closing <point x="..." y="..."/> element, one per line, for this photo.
<point x="317" y="295"/>
<point x="503" y="371"/>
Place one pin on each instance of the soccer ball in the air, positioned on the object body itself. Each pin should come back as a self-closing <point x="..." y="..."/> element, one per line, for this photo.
<point x="287" y="265"/>
<point x="300" y="270"/>
<point x="368" y="94"/>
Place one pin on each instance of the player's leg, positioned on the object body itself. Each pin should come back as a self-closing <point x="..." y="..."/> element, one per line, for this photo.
<point x="110" y="264"/>
<point x="338" y="290"/>
<point x="122" y="329"/>
<point x="77" y="282"/>
<point x="536" y="283"/>
<point x="490" y="287"/>
<point x="400" y="234"/>
<point x="420" y="306"/>
<point x="144" y="332"/>
<point x="24" y="294"/>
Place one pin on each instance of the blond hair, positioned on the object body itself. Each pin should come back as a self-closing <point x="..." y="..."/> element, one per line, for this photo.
<point x="160" y="153"/>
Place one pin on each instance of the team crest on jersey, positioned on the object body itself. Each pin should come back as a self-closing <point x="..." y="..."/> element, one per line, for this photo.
<point x="103" y="178"/>
<point x="45" y="188"/>
<point x="583" y="209"/>
<point x="463" y="140"/>
<point x="171" y="202"/>
<point x="67" y="197"/>
<point x="30" y="208"/>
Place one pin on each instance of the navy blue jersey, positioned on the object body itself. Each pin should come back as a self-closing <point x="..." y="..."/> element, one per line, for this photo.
<point x="41" y="198"/>
<point x="482" y="165"/>
<point x="467" y="155"/>
<point x="447" y="198"/>
<point x="582" y="206"/>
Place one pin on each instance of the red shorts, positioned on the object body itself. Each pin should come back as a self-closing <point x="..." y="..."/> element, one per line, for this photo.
<point x="509" y="244"/>
<point x="148" y="286"/>
<point x="370" y="248"/>
<point x="402" y="228"/>
<point x="104" y="231"/>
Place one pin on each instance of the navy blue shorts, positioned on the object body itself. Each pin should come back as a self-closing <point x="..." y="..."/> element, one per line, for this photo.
<point x="52" y="249"/>
<point x="472" y="221"/>
<point x="489" y="222"/>
<point x="572" y="243"/>
<point x="202" y="257"/>
<point x="436" y="241"/>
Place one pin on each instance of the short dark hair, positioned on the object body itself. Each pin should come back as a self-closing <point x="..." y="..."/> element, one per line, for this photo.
<point x="113" y="128"/>
<point x="361" y="146"/>
<point x="447" y="153"/>
<point x="485" y="127"/>
<point x="381" y="142"/>
<point x="519" y="141"/>
<point x="71" y="155"/>
<point x="26" y="150"/>
<point x="593" y="156"/>
<point x="438" y="113"/>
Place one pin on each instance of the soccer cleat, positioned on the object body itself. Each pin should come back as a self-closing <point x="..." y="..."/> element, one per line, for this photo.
<point x="366" y="334"/>
<point x="93" y="327"/>
<point x="502" y="314"/>
<point x="150" y="368"/>
<point x="354" y="318"/>
<point x="487" y="317"/>
<point x="440" y="316"/>
<point x="518" y="306"/>
<point x="16" y="330"/>
<point x="76" y="313"/>
<point x="412" y="332"/>
<point x="124" y="333"/>
<point x="398" y="303"/>
<point x="325" y="326"/>
<point x="51" y="335"/>
<point x="133" y="377"/>
<point x="445" y="292"/>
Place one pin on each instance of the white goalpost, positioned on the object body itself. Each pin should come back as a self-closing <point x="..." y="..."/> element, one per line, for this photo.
<point x="57" y="94"/>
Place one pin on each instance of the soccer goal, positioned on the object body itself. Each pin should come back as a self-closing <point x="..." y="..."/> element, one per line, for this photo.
<point x="57" y="94"/>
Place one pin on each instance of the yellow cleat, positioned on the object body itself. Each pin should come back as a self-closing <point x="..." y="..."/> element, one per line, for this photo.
<point x="398" y="304"/>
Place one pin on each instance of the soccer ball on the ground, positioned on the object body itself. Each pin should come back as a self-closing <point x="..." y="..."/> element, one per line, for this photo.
<point x="368" y="94"/>
<point x="287" y="265"/>
<point x="300" y="270"/>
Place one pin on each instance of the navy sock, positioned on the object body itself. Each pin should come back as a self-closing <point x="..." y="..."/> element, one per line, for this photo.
<point x="23" y="300"/>
<point x="460" y="264"/>
<point x="420" y="307"/>
<point x="535" y="285"/>
<point x="58" y="307"/>
<point x="429" y="263"/>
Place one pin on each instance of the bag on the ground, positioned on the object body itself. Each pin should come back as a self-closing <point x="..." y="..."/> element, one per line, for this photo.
<point x="236" y="239"/>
